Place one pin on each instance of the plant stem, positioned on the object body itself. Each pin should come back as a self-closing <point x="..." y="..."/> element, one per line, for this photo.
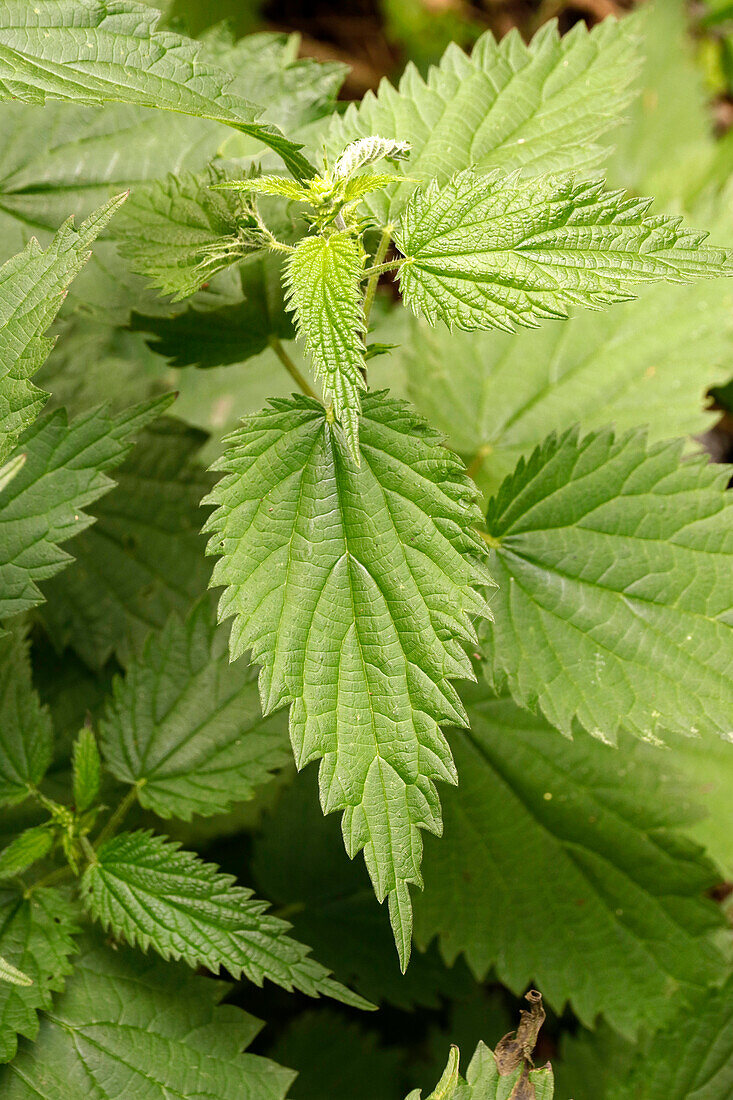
<point x="291" y="368"/>
<point x="478" y="460"/>
<point x="114" y="822"/>
<point x="374" y="274"/>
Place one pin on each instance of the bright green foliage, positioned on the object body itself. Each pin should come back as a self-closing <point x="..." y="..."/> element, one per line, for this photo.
<point x="628" y="934"/>
<point x="495" y="394"/>
<point x="87" y="769"/>
<point x="102" y="51"/>
<point x="323" y="277"/>
<point x="133" y="1027"/>
<point x="497" y="251"/>
<point x="36" y="937"/>
<point x="26" y="737"/>
<point x="366" y="151"/>
<point x="143" y="558"/>
<point x="361" y="630"/>
<point x="483" y="1080"/>
<point x="65" y="471"/>
<point x="185" y="724"/>
<point x="180" y="232"/>
<point x="25" y="850"/>
<point x="144" y="888"/>
<point x="32" y="287"/>
<point x="692" y="1058"/>
<point x="233" y="333"/>
<point x="540" y="108"/>
<point x="614" y="603"/>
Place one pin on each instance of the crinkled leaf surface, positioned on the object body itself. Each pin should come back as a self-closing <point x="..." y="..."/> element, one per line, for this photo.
<point x="26" y="737"/>
<point x="36" y="936"/>
<point x="496" y="251"/>
<point x="100" y="51"/>
<point x="353" y="587"/>
<point x="43" y="506"/>
<point x="539" y="108"/>
<point x="185" y="724"/>
<point x="562" y="865"/>
<point x="143" y="887"/>
<point x="32" y="288"/>
<point x="144" y="556"/>
<point x="128" y="1027"/>
<point x="496" y="394"/>
<point x="615" y="603"/>
<point x="323" y="279"/>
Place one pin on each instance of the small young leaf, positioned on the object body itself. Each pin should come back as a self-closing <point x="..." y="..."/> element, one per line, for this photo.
<point x="11" y="974"/>
<point x="36" y="937"/>
<point x="360" y="627"/>
<point x="25" y="850"/>
<point x="539" y="108"/>
<point x="181" y="232"/>
<point x="323" y="280"/>
<point x="185" y="724"/>
<point x="266" y="185"/>
<point x="87" y="769"/>
<point x="26" y="737"/>
<point x="129" y="1027"/>
<point x="64" y="472"/>
<point x="614" y="603"/>
<point x="367" y="150"/>
<point x="101" y="51"/>
<point x="485" y="1080"/>
<point x="32" y="288"/>
<point x="143" y="887"/>
<point x="496" y="251"/>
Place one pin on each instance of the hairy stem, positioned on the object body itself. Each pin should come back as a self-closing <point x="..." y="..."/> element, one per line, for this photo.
<point x="291" y="368"/>
<point x="116" y="819"/>
<point x="373" y="274"/>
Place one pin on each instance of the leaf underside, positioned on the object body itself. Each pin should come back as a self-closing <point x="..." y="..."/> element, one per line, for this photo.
<point x="26" y="736"/>
<point x="354" y="587"/>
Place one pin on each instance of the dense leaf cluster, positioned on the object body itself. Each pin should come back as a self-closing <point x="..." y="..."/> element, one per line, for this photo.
<point x="487" y="482"/>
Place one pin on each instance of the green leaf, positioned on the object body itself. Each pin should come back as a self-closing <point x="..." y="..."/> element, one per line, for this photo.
<point x="232" y="334"/>
<point x="143" y="887"/>
<point x="614" y="603"/>
<point x="323" y="278"/>
<point x="32" y="287"/>
<point x="485" y="1081"/>
<point x="693" y="1057"/>
<point x="101" y="51"/>
<point x="539" y="108"/>
<point x="144" y="556"/>
<point x="354" y="587"/>
<point x="43" y="506"/>
<point x="562" y="864"/>
<point x="590" y="1061"/>
<point x="87" y="770"/>
<point x="332" y="907"/>
<point x="26" y="737"/>
<point x="495" y="394"/>
<point x="181" y="232"/>
<point x="495" y="251"/>
<point x="368" y="150"/>
<point x="12" y="975"/>
<point x="36" y="937"/>
<point x="266" y="185"/>
<point x="185" y="724"/>
<point x="128" y="1026"/>
<point x="25" y="850"/>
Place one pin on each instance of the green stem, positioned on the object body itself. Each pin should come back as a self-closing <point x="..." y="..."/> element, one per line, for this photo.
<point x="373" y="274"/>
<point x="291" y="368"/>
<point x="116" y="819"/>
<point x="478" y="460"/>
<point x="89" y="853"/>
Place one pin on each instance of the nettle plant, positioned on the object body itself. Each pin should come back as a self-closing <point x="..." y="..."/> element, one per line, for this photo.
<point x="580" y="575"/>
